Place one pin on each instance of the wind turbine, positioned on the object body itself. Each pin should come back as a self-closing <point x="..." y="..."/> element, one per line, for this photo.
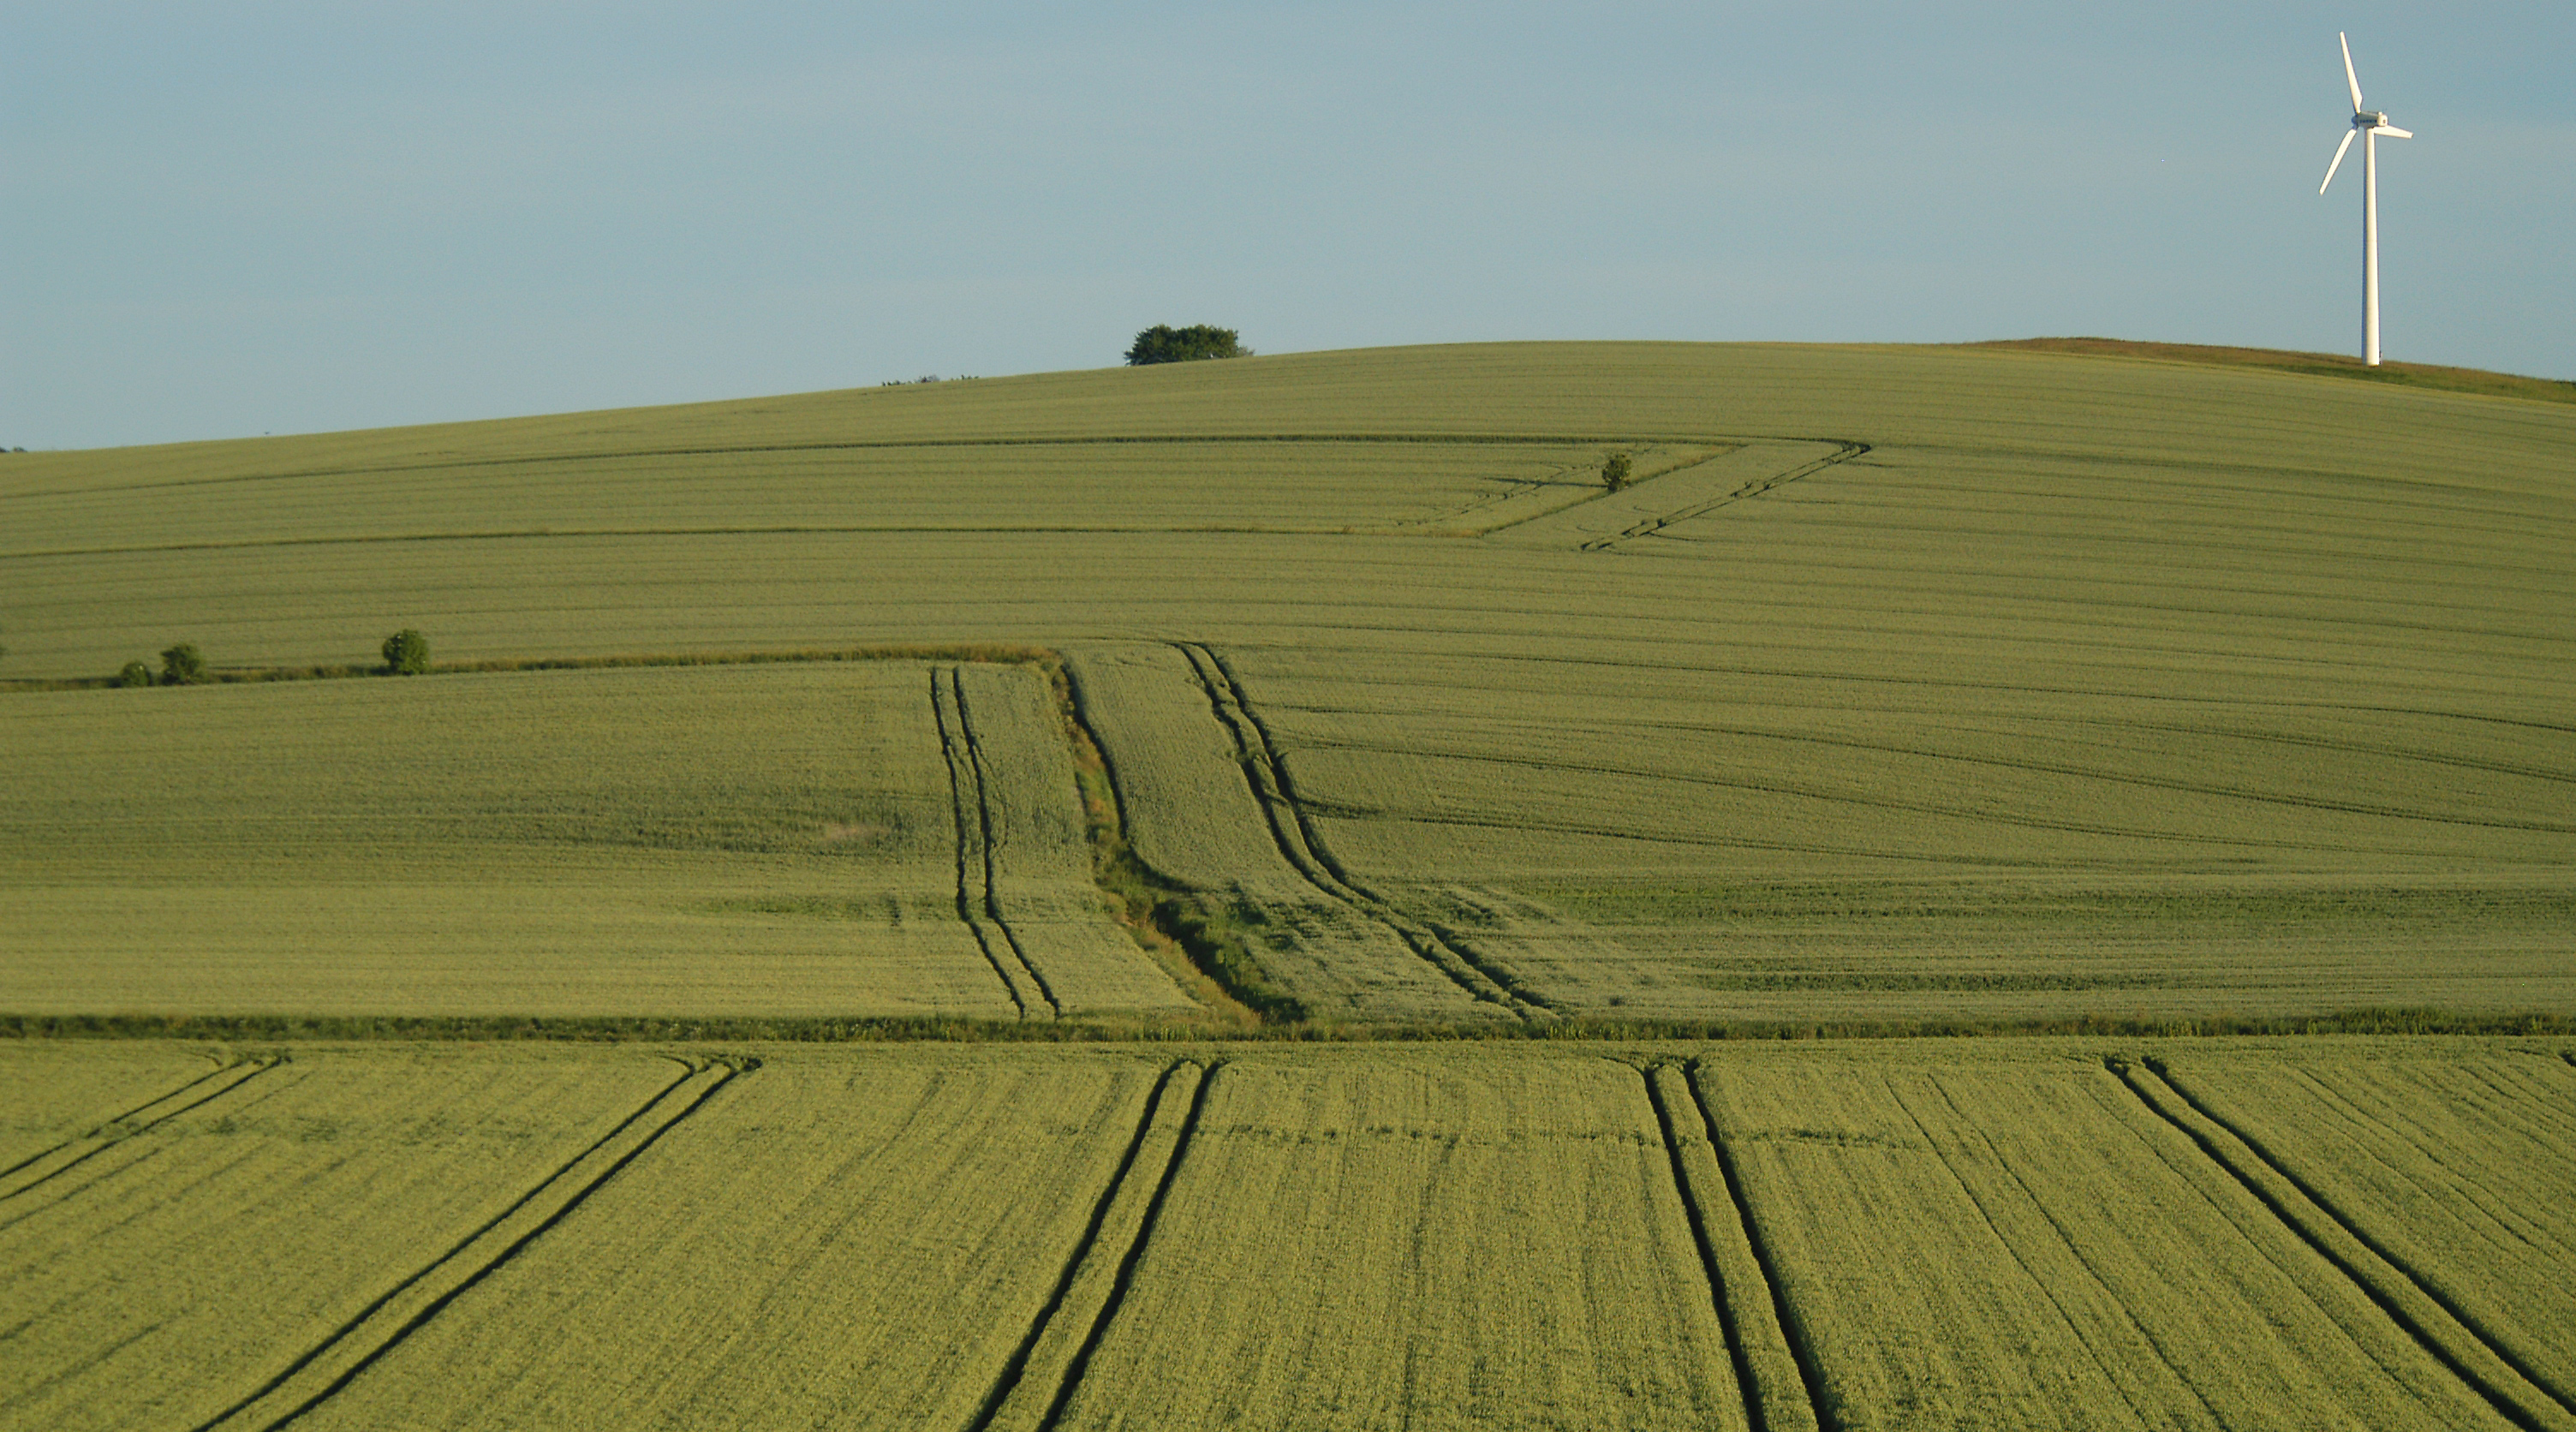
<point x="2369" y="124"/>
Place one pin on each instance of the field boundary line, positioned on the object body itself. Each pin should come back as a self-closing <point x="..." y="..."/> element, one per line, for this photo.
<point x="1125" y="1277"/>
<point x="2491" y="1372"/>
<point x="103" y="1125"/>
<point x="1265" y="770"/>
<point x="1654" y="526"/>
<point x="1769" y="1404"/>
<point x="1015" y="1371"/>
<point x="109" y="1135"/>
<point x="286" y="1387"/>
<point x="975" y="765"/>
<point x="1793" y="1330"/>
<point x="971" y="836"/>
<point x="342" y="1332"/>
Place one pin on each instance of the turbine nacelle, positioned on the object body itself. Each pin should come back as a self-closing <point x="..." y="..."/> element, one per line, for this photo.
<point x="2364" y="121"/>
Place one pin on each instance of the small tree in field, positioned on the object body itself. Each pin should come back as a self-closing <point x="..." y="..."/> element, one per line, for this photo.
<point x="182" y="665"/>
<point x="1614" y="471"/>
<point x="134" y="674"/>
<point x="406" y="653"/>
<point x="1163" y="343"/>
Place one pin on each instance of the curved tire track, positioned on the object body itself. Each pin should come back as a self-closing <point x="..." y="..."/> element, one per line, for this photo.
<point x="1292" y="830"/>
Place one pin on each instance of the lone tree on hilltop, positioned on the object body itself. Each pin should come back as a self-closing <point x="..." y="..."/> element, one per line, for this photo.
<point x="1163" y="343"/>
<point x="406" y="653"/>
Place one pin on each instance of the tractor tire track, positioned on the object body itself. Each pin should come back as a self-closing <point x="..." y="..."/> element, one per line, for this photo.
<point x="1685" y="667"/>
<point x="1292" y="831"/>
<point x="110" y="1134"/>
<point x="1015" y="1373"/>
<point x="2459" y="1344"/>
<point x="2562" y="1395"/>
<point x="1713" y="842"/>
<point x="103" y="1125"/>
<point x="1599" y="492"/>
<point x="1781" y="1400"/>
<point x="407" y="1307"/>
<point x="2021" y="1261"/>
<point x="974" y="819"/>
<point x="1654" y="526"/>
<point x="990" y="842"/>
<point x="1809" y="791"/>
<point x="342" y="1332"/>
<point x="1775" y="1398"/>
<point x="1125" y="1278"/>
<point x="884" y="444"/>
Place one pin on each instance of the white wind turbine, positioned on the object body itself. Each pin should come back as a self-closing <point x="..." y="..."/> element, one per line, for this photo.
<point x="2369" y="124"/>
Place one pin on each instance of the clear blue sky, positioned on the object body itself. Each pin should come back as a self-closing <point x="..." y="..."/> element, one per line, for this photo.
<point x="227" y="219"/>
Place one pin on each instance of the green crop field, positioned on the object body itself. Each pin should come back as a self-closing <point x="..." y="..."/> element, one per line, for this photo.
<point x="2034" y="1233"/>
<point x="1901" y="683"/>
<point x="1367" y="811"/>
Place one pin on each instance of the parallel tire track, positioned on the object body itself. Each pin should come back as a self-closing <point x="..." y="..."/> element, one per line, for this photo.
<point x="1121" y="1188"/>
<point x="1292" y="830"/>
<point x="974" y="820"/>
<point x="327" y="1368"/>
<point x="2508" y="1384"/>
<point x="882" y="444"/>
<point x="1781" y="1400"/>
<point x="1125" y="1277"/>
<point x="1654" y="526"/>
<point x="1765" y="1374"/>
<point x="110" y="1122"/>
<point x="116" y="1131"/>
<point x="983" y="775"/>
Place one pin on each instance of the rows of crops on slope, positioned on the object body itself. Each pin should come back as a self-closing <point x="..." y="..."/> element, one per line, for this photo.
<point x="703" y="841"/>
<point x="2020" y="1241"/>
<point x="2087" y="685"/>
<point x="1293" y="483"/>
<point x="160" y="1274"/>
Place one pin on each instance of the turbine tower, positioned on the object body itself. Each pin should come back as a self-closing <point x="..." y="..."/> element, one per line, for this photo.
<point x="2369" y="124"/>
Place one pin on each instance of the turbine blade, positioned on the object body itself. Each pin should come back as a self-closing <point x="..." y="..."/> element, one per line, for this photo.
<point x="2338" y="159"/>
<point x="2349" y="77"/>
<point x="2392" y="131"/>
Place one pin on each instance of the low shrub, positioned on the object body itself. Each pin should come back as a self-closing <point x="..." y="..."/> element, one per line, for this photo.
<point x="406" y="653"/>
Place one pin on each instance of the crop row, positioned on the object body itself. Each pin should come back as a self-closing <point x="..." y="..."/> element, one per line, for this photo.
<point x="2036" y="1235"/>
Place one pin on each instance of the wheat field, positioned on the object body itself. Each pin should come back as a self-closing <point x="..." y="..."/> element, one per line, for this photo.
<point x="1174" y="899"/>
